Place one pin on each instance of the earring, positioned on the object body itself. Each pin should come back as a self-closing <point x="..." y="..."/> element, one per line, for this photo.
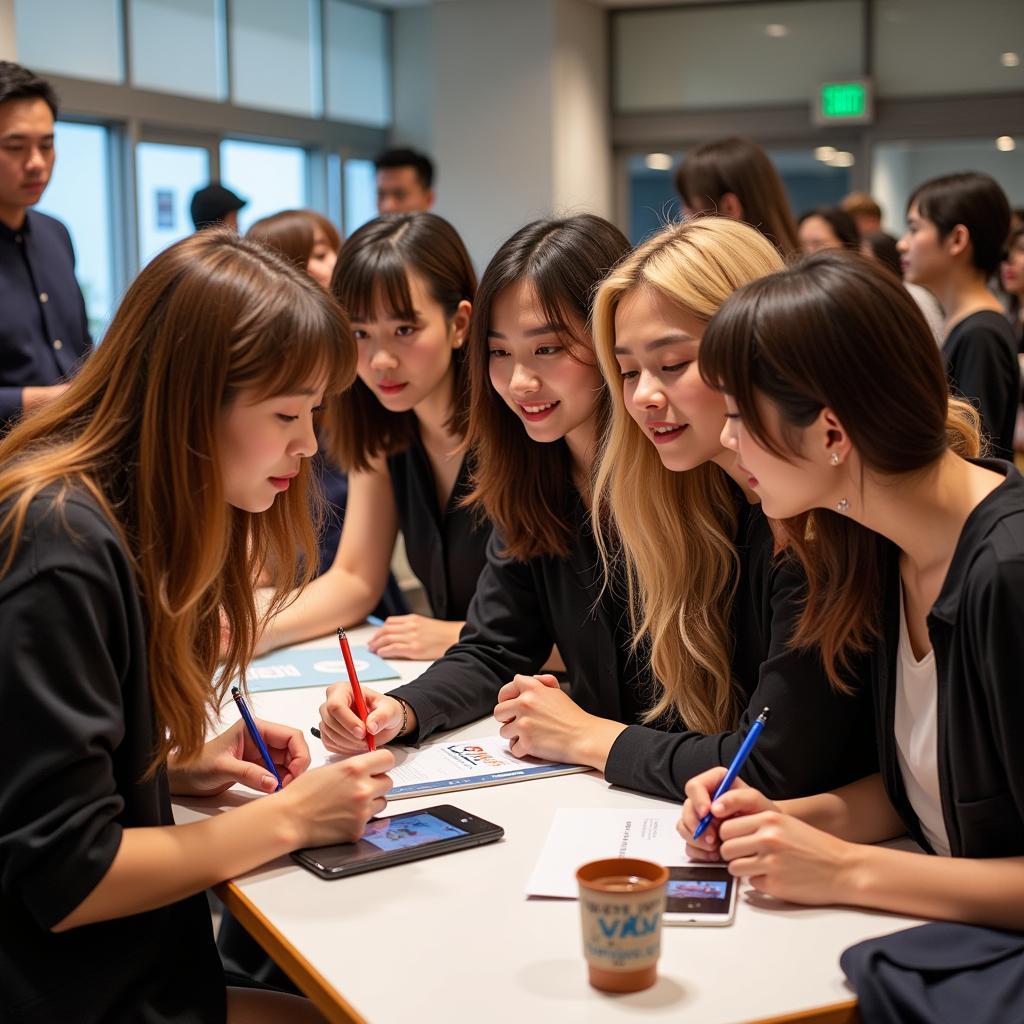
<point x="842" y="505"/>
<point x="834" y="458"/>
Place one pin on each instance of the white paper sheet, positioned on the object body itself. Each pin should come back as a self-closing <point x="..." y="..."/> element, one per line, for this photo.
<point x="581" y="834"/>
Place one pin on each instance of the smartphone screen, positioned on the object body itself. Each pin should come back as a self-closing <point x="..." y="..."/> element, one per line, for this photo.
<point x="699" y="894"/>
<point x="401" y="838"/>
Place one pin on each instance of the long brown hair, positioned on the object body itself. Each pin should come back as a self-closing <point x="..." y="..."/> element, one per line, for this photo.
<point x="741" y="167"/>
<point x="291" y="233"/>
<point x="837" y="331"/>
<point x="522" y="486"/>
<point x="676" y="531"/>
<point x="137" y="430"/>
<point x="371" y="278"/>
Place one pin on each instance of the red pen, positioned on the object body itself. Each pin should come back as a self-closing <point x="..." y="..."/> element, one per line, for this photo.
<point x="357" y="690"/>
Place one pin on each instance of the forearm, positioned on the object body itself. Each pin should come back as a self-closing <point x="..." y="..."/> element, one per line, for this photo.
<point x="337" y="598"/>
<point x="860" y="812"/>
<point x="984" y="892"/>
<point x="155" y="867"/>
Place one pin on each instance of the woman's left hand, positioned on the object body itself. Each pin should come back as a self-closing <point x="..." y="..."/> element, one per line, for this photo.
<point x="415" y="637"/>
<point x="541" y="720"/>
<point x="233" y="757"/>
<point x="789" y="859"/>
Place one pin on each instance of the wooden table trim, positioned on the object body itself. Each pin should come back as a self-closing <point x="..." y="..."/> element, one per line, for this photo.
<point x="845" y="1012"/>
<point x="327" y="999"/>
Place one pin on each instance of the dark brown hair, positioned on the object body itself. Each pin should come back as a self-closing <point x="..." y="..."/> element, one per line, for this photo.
<point x="18" y="83"/>
<point x="371" y="280"/>
<point x="138" y="430"/>
<point x="741" y="167"/>
<point x="837" y="331"/>
<point x="839" y="221"/>
<point x="520" y="485"/>
<point x="974" y="200"/>
<point x="291" y="233"/>
<point x="883" y="248"/>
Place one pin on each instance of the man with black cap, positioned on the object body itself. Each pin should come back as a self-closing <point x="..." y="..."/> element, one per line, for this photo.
<point x="44" y="330"/>
<point x="216" y="204"/>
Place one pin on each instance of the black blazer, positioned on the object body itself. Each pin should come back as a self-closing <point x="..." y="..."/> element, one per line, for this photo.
<point x="446" y="551"/>
<point x="44" y="331"/>
<point x="977" y="632"/>
<point x="815" y="740"/>
<point x="75" y="697"/>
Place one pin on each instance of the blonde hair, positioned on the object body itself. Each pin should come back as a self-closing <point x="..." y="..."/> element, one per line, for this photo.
<point x="674" y="531"/>
<point x="137" y="430"/>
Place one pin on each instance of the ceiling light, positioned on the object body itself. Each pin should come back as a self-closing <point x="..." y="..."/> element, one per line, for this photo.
<point x="658" y="162"/>
<point x="1010" y="60"/>
<point x="824" y="153"/>
<point x="776" y="31"/>
<point x="841" y="159"/>
<point x="1006" y="144"/>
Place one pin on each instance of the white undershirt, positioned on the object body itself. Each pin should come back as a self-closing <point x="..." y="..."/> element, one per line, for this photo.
<point x="917" y="741"/>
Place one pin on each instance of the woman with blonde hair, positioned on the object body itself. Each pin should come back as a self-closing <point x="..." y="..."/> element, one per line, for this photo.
<point x="135" y="513"/>
<point x="679" y="525"/>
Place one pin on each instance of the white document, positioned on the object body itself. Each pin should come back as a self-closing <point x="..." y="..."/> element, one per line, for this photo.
<point x="582" y="834"/>
<point x="466" y="764"/>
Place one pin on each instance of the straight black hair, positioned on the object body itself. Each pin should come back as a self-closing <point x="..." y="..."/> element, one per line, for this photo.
<point x="841" y="223"/>
<point x="404" y="157"/>
<point x="18" y="83"/>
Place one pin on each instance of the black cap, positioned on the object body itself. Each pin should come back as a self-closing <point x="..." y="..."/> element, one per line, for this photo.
<point x="213" y="204"/>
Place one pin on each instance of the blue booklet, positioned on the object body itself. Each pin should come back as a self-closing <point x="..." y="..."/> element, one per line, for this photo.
<point x="292" y="668"/>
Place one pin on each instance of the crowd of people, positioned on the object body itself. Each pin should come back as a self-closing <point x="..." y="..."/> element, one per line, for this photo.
<point x="647" y="492"/>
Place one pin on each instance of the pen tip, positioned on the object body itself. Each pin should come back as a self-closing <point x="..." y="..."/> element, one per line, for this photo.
<point x="235" y="691"/>
<point x="341" y="633"/>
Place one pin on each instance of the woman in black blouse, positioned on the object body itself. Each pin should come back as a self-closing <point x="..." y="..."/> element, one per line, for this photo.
<point x="135" y="514"/>
<point x="408" y="285"/>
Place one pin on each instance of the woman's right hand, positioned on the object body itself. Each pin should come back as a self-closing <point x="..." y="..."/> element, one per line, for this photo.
<point x="700" y="790"/>
<point x="332" y="804"/>
<point x="341" y="729"/>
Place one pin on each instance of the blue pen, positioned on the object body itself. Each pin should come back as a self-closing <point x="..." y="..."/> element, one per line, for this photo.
<point x="734" y="769"/>
<point x="374" y="620"/>
<point x="250" y="724"/>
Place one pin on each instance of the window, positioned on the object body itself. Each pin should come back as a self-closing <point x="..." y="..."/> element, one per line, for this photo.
<point x="734" y="55"/>
<point x="79" y="195"/>
<point x="178" y="46"/>
<point x="275" y="56"/>
<point x="166" y="177"/>
<point x="357" y="49"/>
<point x="360" y="193"/>
<point x="270" y="178"/>
<point x="72" y="37"/>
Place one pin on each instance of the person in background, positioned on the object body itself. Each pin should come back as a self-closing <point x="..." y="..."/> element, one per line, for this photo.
<point x="44" y="329"/>
<point x="827" y="227"/>
<point x="1016" y="218"/>
<point x="864" y="210"/>
<point x="305" y="237"/>
<point x="215" y="204"/>
<point x="1011" y="275"/>
<point x="405" y="181"/>
<point x="957" y="227"/>
<point x="881" y="246"/>
<point x="735" y="178"/>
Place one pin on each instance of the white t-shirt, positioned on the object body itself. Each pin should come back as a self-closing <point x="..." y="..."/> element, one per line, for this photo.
<point x="917" y="742"/>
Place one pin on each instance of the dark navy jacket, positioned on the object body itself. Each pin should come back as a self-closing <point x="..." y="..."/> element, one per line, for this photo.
<point x="44" y="332"/>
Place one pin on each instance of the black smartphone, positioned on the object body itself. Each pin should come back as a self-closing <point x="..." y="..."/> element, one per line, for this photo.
<point x="400" y="838"/>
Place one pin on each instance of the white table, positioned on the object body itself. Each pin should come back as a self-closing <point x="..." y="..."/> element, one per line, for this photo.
<point x="454" y="936"/>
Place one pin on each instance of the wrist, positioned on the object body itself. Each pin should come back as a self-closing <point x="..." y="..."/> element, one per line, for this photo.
<point x="408" y="722"/>
<point x="595" y="742"/>
<point x="854" y="877"/>
<point x="287" y="825"/>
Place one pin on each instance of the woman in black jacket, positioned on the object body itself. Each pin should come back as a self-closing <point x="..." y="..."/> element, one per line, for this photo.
<point x="840" y="413"/>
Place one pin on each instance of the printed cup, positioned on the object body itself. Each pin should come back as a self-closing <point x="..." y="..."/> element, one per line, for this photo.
<point x="621" y="904"/>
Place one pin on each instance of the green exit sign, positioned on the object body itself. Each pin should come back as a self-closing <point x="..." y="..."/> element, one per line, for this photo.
<point x="844" y="103"/>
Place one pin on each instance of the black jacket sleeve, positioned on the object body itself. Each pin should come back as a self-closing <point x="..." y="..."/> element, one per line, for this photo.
<point x="986" y="374"/>
<point x="815" y="739"/>
<point x="507" y="632"/>
<point x="61" y="702"/>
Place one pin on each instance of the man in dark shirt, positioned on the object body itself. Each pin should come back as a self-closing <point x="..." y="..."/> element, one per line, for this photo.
<point x="44" y="332"/>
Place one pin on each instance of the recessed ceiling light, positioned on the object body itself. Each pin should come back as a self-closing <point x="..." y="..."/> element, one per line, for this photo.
<point x="1010" y="60"/>
<point x="841" y="159"/>
<point x="658" y="162"/>
<point x="824" y="153"/>
<point x="1006" y="144"/>
<point x="776" y="31"/>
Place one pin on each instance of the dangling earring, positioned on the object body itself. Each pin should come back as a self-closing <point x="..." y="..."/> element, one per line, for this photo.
<point x="842" y="505"/>
<point x="834" y="458"/>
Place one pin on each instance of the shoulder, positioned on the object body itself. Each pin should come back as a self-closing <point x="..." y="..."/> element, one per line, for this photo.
<point x="986" y="327"/>
<point x="50" y="228"/>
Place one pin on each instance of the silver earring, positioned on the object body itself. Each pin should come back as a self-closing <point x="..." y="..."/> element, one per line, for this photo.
<point x="834" y="458"/>
<point x="842" y="505"/>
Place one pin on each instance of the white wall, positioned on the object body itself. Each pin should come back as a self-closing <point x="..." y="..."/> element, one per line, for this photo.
<point x="8" y="42"/>
<point x="413" y="81"/>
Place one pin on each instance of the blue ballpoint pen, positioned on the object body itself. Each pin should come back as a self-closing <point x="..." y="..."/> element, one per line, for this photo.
<point x="734" y="769"/>
<point x="250" y="724"/>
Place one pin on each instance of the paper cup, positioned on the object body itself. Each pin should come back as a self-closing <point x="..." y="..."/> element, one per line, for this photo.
<point x="621" y="904"/>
